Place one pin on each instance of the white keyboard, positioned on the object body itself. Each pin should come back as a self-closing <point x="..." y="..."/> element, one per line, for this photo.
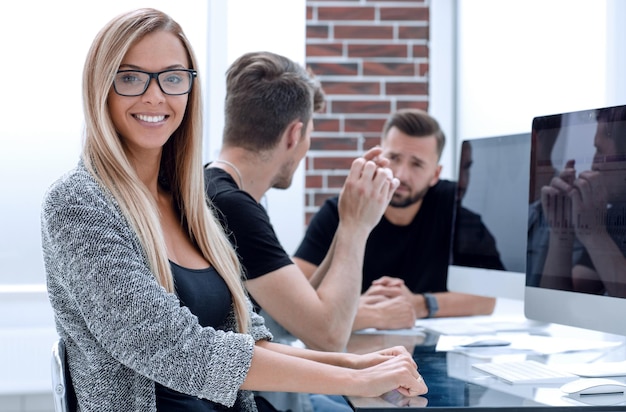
<point x="525" y="372"/>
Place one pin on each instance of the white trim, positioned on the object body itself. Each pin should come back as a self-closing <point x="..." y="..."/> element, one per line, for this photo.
<point x="34" y="288"/>
<point x="443" y="75"/>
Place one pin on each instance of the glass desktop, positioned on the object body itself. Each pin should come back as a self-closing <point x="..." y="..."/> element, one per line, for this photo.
<point x="454" y="385"/>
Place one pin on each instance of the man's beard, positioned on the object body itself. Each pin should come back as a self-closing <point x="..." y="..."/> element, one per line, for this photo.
<point x="408" y="201"/>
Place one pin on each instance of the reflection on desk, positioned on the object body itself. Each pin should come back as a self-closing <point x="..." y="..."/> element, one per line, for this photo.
<point x="365" y="343"/>
<point x="453" y="383"/>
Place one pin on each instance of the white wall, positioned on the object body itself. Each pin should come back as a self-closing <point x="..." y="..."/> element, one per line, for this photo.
<point x="520" y="59"/>
<point x="43" y="51"/>
<point x="508" y="61"/>
<point x="516" y="59"/>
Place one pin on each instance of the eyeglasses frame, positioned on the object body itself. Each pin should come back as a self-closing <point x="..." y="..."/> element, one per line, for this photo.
<point x="155" y="76"/>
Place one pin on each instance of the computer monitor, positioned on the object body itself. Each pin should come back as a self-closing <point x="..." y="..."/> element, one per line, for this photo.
<point x="488" y="255"/>
<point x="576" y="268"/>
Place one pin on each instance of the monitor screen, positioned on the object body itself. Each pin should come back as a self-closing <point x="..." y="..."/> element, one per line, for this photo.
<point x="576" y="266"/>
<point x="488" y="256"/>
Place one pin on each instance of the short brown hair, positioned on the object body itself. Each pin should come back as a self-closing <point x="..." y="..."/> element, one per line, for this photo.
<point x="416" y="123"/>
<point x="265" y="92"/>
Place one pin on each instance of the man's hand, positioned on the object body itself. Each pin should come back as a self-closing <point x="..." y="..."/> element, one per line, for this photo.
<point x="389" y="287"/>
<point x="374" y="155"/>
<point x="388" y="313"/>
<point x="393" y="288"/>
<point x="367" y="191"/>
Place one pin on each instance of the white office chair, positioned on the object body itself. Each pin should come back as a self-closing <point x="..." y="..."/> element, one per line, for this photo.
<point x="62" y="389"/>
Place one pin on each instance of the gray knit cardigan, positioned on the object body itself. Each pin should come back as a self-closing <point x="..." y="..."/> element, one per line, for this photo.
<point x="122" y="330"/>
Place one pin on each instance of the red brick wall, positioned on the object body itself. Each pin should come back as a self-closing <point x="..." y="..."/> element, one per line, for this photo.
<point x="372" y="58"/>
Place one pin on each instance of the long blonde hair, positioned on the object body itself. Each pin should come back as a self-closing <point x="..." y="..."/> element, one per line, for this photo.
<point x="181" y="162"/>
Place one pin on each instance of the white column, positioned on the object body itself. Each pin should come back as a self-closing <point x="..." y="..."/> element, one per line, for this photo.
<point x="442" y="73"/>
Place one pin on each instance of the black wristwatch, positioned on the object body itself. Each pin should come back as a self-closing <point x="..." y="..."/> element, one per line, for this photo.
<point x="431" y="304"/>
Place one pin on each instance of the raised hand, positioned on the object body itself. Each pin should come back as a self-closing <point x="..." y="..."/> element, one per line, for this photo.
<point x="367" y="190"/>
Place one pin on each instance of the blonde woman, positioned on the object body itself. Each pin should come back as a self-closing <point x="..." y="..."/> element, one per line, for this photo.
<point x="144" y="284"/>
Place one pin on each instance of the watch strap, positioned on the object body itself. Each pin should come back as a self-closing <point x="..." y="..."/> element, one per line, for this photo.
<point x="431" y="304"/>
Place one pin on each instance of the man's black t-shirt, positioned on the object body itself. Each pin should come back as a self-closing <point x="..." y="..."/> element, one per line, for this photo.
<point x="247" y="224"/>
<point x="418" y="253"/>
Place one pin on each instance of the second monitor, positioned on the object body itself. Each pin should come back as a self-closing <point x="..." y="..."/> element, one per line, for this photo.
<point x="577" y="243"/>
<point x="488" y="256"/>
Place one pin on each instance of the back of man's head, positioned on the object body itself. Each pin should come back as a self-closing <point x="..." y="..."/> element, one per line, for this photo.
<point x="416" y="123"/>
<point x="265" y="92"/>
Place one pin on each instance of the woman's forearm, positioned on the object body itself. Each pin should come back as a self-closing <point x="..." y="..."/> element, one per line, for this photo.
<point x="280" y="369"/>
<point x="347" y="360"/>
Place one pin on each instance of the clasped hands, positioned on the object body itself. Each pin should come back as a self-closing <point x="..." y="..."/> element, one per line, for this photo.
<point x="393" y="369"/>
<point x="395" y="303"/>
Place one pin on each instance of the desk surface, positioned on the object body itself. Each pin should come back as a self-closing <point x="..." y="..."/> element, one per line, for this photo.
<point x="454" y="385"/>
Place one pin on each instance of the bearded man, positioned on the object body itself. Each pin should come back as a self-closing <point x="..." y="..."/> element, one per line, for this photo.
<point x="407" y="254"/>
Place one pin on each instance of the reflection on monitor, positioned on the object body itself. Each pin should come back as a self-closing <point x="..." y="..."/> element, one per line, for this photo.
<point x="488" y="255"/>
<point x="576" y="267"/>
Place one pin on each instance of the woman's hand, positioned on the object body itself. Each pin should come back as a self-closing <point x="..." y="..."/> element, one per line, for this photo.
<point x="375" y="358"/>
<point x="398" y="372"/>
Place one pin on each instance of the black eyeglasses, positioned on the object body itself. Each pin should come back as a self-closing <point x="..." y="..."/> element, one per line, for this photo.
<point x="135" y="82"/>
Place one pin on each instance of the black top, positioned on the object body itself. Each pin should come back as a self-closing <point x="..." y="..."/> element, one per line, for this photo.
<point x="207" y="296"/>
<point x="204" y="292"/>
<point x="417" y="253"/>
<point x="247" y="224"/>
